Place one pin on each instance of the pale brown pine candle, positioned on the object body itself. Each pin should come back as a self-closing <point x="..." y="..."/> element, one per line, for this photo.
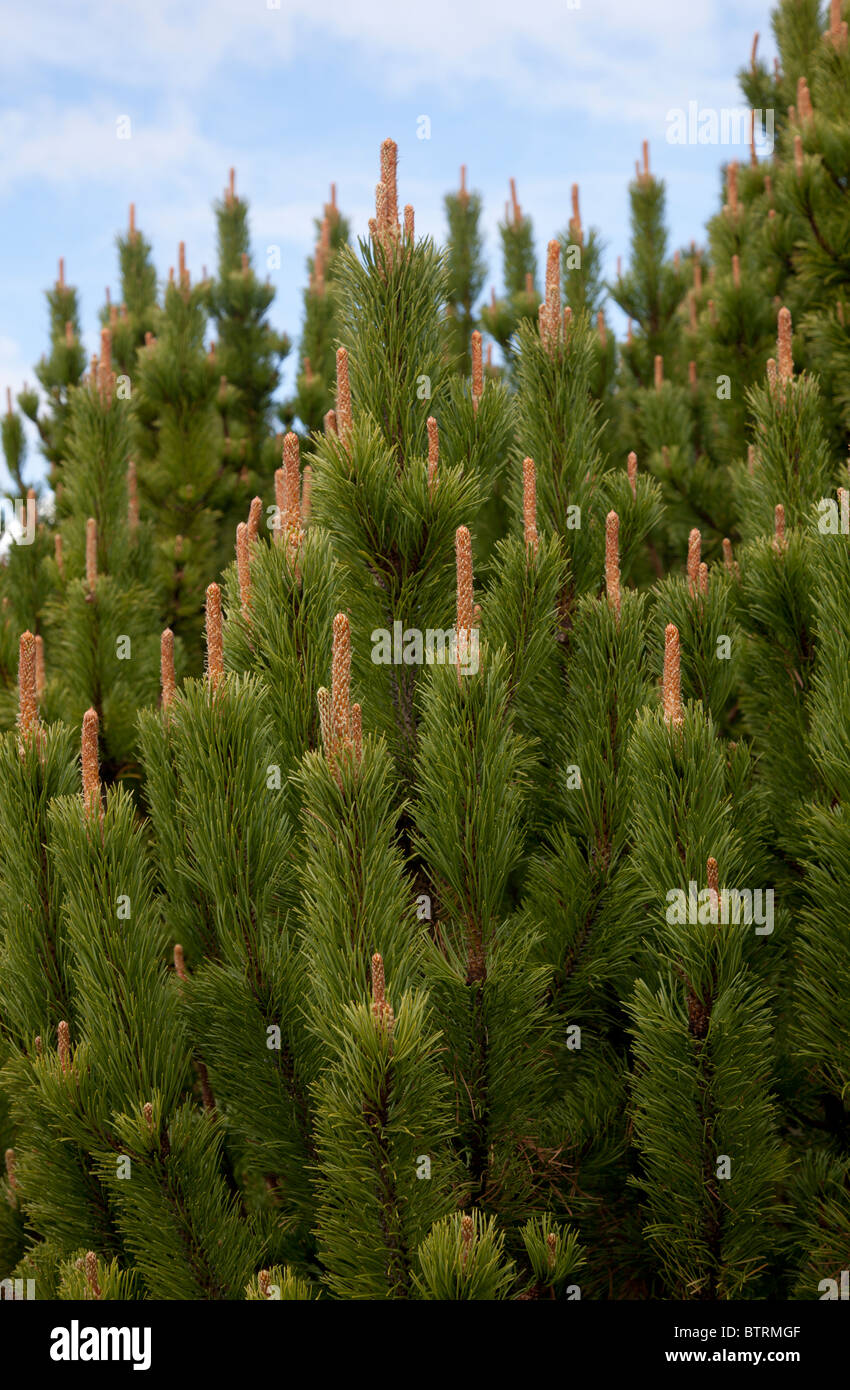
<point x="343" y="395"/>
<point x="612" y="561"/>
<point x="671" y="687"/>
<point x="215" y="643"/>
<point x="477" y="370"/>
<point x="166" y="666"/>
<point x="784" y="351"/>
<point x="341" y="680"/>
<point x="90" y="764"/>
<point x="694" y="549"/>
<point x="631" y="471"/>
<point x="255" y="516"/>
<point x="433" y="452"/>
<point x="529" y="504"/>
<point x="243" y="568"/>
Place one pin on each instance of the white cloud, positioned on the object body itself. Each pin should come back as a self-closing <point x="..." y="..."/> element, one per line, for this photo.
<point x="541" y="52"/>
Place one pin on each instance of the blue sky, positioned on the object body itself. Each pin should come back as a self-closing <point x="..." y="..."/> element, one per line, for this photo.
<point x="550" y="91"/>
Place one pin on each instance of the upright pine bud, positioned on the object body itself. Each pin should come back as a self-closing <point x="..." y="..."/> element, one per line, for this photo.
<point x="389" y="178"/>
<point x="529" y="504"/>
<point x="330" y="423"/>
<point x="550" y="311"/>
<point x="694" y="548"/>
<point x="180" y="962"/>
<point x="671" y="686"/>
<point x="255" y="516"/>
<point x="659" y="372"/>
<point x="91" y="1275"/>
<point x="215" y="643"/>
<point x="467" y="1235"/>
<point x="381" y="1011"/>
<point x="736" y="272"/>
<point x="166" y="666"/>
<point x="40" y="672"/>
<point x="779" y="527"/>
<point x="91" y="554"/>
<point x="409" y="225"/>
<point x="713" y="882"/>
<point x="341" y="681"/>
<point x="343" y="395"/>
<point x="57" y="553"/>
<point x="90" y="766"/>
<point x="63" y="1035"/>
<point x="433" y="452"/>
<point x="729" y="559"/>
<point x="612" y="562"/>
<point x="703" y="577"/>
<point x="465" y="596"/>
<point x="784" y="350"/>
<point x="631" y="469"/>
<point x="27" y="691"/>
<point x="243" y="568"/>
<point x="291" y="515"/>
<point x="477" y="370"/>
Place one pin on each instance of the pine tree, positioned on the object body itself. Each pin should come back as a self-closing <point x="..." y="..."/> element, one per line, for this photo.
<point x="486" y="887"/>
